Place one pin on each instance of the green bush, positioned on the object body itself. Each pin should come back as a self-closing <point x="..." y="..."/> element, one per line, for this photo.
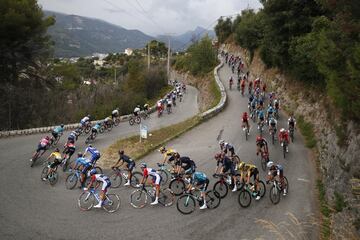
<point x="307" y="130"/>
<point x="340" y="203"/>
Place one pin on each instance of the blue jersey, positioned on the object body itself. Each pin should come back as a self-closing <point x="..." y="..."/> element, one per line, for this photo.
<point x="261" y="114"/>
<point x="93" y="151"/>
<point x="97" y="126"/>
<point x="270" y="110"/>
<point x="82" y="161"/>
<point x="198" y="177"/>
<point x="58" y="129"/>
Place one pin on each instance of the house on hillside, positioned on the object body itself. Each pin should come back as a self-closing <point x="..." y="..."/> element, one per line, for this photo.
<point x="128" y="51"/>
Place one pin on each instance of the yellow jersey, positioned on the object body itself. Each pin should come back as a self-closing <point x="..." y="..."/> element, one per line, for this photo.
<point x="247" y="169"/>
<point x="57" y="155"/>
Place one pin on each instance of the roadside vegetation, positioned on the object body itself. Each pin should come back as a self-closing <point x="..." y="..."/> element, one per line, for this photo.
<point x="38" y="90"/>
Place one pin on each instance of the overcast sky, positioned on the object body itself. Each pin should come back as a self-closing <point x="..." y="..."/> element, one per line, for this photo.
<point x="153" y="16"/>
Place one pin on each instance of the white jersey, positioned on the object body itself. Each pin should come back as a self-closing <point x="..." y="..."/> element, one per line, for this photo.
<point x="115" y="112"/>
<point x="85" y="119"/>
<point x="136" y="110"/>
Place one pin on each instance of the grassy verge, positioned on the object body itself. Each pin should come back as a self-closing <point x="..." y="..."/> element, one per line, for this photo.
<point x="325" y="211"/>
<point x="136" y="149"/>
<point x="215" y="92"/>
<point x="307" y="130"/>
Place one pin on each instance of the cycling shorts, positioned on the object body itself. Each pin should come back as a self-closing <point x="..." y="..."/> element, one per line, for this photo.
<point x="86" y="167"/>
<point x="230" y="168"/>
<point x="275" y="173"/>
<point x="189" y="169"/>
<point x="156" y="179"/>
<point x="254" y="173"/>
<point x="55" y="134"/>
<point x="40" y="148"/>
<point x="105" y="185"/>
<point x="56" y="163"/>
<point x="131" y="165"/>
<point x="204" y="185"/>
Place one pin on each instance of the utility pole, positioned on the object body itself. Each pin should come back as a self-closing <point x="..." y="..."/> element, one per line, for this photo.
<point x="149" y="56"/>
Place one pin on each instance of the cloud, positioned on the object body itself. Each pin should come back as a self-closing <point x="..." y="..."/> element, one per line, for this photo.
<point x="153" y="16"/>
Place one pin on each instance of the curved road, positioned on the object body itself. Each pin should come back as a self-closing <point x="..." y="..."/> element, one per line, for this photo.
<point x="32" y="210"/>
<point x="31" y="207"/>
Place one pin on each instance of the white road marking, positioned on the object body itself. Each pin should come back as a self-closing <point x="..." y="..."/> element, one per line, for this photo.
<point x="303" y="180"/>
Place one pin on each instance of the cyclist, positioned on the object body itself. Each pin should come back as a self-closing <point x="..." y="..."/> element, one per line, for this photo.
<point x="83" y="165"/>
<point x="242" y="84"/>
<point x="276" y="105"/>
<point x="57" y="160"/>
<point x="85" y="120"/>
<point x="99" y="178"/>
<point x="272" y="125"/>
<point x="291" y="122"/>
<point x="257" y="83"/>
<point x="269" y="112"/>
<point x="130" y="164"/>
<point x="184" y="163"/>
<point x="260" y="115"/>
<point x="137" y="110"/>
<point x="72" y="137"/>
<point x="155" y="180"/>
<point x="146" y="108"/>
<point x="225" y="147"/>
<point x="226" y="166"/>
<point x="246" y="172"/>
<point x="108" y="121"/>
<point x="169" y="154"/>
<point x="245" y="120"/>
<point x="284" y="138"/>
<point x="200" y="180"/>
<point x="231" y="81"/>
<point x="96" y="128"/>
<point x="58" y="131"/>
<point x="261" y="145"/>
<point x="69" y="149"/>
<point x="168" y="104"/>
<point x="95" y="154"/>
<point x="173" y="98"/>
<point x="115" y="114"/>
<point x="42" y="146"/>
<point x="276" y="170"/>
<point x="250" y="86"/>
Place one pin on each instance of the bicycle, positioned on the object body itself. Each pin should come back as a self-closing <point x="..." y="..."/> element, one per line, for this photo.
<point x="272" y="132"/>
<point x="36" y="157"/>
<point x="139" y="197"/>
<point x="186" y="203"/>
<point x="247" y="191"/>
<point x="91" y="137"/>
<point x="54" y="141"/>
<point x="134" y="119"/>
<point x="178" y="184"/>
<point x="74" y="177"/>
<point x="264" y="159"/>
<point x="246" y="131"/>
<point x="119" y="174"/>
<point x="276" y="189"/>
<point x="87" y="199"/>
<point x="261" y="128"/>
<point x="164" y="173"/>
<point x="84" y="128"/>
<point x="284" y="146"/>
<point x="52" y="177"/>
<point x="223" y="184"/>
<point x="291" y="133"/>
<point x="116" y="121"/>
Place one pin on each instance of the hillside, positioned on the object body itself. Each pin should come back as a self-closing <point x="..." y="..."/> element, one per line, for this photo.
<point x="80" y="36"/>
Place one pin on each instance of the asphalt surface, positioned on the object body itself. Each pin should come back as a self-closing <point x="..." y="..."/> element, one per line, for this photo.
<point x="32" y="209"/>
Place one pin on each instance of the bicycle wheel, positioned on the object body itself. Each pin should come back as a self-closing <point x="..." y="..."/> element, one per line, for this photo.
<point x="131" y="121"/>
<point x="86" y="200"/>
<point x="263" y="163"/>
<point x="56" y="140"/>
<point x="71" y="181"/>
<point x="164" y="177"/>
<point x="87" y="129"/>
<point x="87" y="140"/>
<point x="166" y="197"/>
<point x="37" y="155"/>
<point x="244" y="198"/>
<point x="186" y="204"/>
<point x="138" y="198"/>
<point x="102" y="129"/>
<point x="53" y="178"/>
<point x="274" y="195"/>
<point x="109" y="127"/>
<point x="138" y="119"/>
<point x="177" y="186"/>
<point x="284" y="149"/>
<point x="65" y="164"/>
<point x="287" y="184"/>
<point x="246" y="134"/>
<point x="44" y="172"/>
<point x="212" y="199"/>
<point x="116" y="122"/>
<point x="111" y="203"/>
<point x="116" y="180"/>
<point x="99" y="170"/>
<point x="135" y="179"/>
<point x="221" y="188"/>
<point x="261" y="188"/>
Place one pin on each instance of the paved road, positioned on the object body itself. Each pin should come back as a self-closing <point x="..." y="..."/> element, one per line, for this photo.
<point x="32" y="210"/>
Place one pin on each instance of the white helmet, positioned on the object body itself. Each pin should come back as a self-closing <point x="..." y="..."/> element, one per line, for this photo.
<point x="221" y="142"/>
<point x="282" y="130"/>
<point x="275" y="101"/>
<point x="270" y="164"/>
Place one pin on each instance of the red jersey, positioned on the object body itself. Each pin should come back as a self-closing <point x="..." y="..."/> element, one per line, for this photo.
<point x="284" y="136"/>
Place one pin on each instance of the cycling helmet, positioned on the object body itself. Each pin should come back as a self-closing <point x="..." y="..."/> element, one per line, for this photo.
<point x="88" y="116"/>
<point x="258" y="139"/>
<point x="93" y="171"/>
<point x="221" y="142"/>
<point x="121" y="152"/>
<point x="162" y="149"/>
<point x="275" y="101"/>
<point x="282" y="130"/>
<point x="143" y="165"/>
<point x="270" y="164"/>
<point x="89" y="145"/>
<point x="62" y="125"/>
<point x="57" y="150"/>
<point x="138" y="106"/>
<point x="80" y="154"/>
<point x="241" y="165"/>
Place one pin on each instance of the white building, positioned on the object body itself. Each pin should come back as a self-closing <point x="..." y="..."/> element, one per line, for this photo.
<point x="128" y="51"/>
